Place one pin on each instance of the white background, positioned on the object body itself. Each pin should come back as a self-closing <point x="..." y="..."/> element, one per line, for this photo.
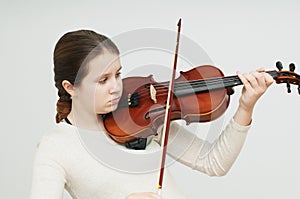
<point x="236" y="35"/>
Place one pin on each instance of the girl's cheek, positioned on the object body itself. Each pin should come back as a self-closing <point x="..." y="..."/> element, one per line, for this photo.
<point x="121" y="85"/>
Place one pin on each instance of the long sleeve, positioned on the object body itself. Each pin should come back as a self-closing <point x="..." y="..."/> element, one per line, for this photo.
<point x="76" y="160"/>
<point x="214" y="159"/>
<point x="48" y="175"/>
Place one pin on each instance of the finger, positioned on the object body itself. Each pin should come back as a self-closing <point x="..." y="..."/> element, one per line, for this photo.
<point x="154" y="195"/>
<point x="260" y="79"/>
<point x="269" y="79"/>
<point x="253" y="79"/>
<point x="245" y="81"/>
<point x="260" y="69"/>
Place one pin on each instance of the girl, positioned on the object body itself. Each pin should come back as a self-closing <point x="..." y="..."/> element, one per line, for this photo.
<point x="87" y="76"/>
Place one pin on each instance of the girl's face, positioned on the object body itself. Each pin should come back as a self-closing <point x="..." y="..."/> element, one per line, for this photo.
<point x="100" y="90"/>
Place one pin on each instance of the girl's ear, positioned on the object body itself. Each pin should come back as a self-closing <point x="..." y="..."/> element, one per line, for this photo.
<point x="68" y="87"/>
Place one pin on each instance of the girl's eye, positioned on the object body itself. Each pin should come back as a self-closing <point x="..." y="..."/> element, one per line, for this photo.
<point x="102" y="81"/>
<point x="118" y="74"/>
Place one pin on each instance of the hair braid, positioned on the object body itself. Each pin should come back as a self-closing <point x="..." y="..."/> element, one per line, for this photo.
<point x="63" y="105"/>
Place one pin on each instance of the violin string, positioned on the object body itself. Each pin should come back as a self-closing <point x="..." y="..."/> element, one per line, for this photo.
<point x="207" y="83"/>
<point x="223" y="80"/>
<point x="196" y="83"/>
<point x="187" y="85"/>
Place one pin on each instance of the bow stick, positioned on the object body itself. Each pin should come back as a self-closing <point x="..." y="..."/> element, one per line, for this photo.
<point x="168" y="114"/>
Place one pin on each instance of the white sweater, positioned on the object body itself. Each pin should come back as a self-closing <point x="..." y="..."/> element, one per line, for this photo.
<point x="89" y="165"/>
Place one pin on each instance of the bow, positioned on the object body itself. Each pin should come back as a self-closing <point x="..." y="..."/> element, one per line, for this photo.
<point x="167" y="119"/>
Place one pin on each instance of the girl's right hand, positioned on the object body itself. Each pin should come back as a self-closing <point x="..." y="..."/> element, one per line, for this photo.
<point x="144" y="195"/>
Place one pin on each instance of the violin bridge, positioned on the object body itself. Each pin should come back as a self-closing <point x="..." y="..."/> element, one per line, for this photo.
<point x="153" y="93"/>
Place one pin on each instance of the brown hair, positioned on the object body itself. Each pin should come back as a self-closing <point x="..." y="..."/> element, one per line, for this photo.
<point x="71" y="55"/>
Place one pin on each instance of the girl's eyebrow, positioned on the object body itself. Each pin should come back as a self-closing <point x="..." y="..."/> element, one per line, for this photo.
<point x="107" y="74"/>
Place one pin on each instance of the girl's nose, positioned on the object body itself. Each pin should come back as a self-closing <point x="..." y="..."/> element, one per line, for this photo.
<point x="116" y="85"/>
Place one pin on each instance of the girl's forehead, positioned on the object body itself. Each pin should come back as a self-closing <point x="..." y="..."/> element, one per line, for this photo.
<point x="104" y="63"/>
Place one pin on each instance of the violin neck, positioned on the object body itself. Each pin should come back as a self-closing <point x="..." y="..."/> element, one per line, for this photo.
<point x="205" y="85"/>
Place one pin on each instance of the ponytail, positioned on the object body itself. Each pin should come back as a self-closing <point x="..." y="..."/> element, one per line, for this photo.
<point x="63" y="108"/>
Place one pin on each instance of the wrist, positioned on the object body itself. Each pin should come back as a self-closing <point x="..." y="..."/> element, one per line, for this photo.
<point x="243" y="116"/>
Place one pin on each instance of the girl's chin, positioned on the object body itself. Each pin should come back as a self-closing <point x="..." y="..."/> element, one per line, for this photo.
<point x="108" y="110"/>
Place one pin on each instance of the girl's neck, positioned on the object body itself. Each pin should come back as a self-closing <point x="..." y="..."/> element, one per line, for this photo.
<point x="86" y="121"/>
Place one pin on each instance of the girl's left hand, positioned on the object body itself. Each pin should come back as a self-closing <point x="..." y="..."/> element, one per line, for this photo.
<point x="255" y="85"/>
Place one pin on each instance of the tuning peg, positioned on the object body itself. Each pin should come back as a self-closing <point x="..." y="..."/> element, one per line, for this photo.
<point x="279" y="65"/>
<point x="299" y="88"/>
<point x="292" y="67"/>
<point x="288" y="85"/>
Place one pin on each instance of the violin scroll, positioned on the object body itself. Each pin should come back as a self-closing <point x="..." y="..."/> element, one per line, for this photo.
<point x="287" y="76"/>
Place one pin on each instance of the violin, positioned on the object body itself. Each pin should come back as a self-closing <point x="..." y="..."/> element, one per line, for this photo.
<point x="201" y="94"/>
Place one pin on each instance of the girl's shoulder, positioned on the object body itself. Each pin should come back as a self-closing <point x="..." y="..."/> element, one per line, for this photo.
<point x="60" y="134"/>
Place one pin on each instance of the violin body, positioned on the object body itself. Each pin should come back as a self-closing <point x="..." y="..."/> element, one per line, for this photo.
<point x="143" y="103"/>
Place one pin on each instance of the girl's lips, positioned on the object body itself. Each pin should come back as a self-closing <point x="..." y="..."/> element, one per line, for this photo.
<point x="115" y="101"/>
